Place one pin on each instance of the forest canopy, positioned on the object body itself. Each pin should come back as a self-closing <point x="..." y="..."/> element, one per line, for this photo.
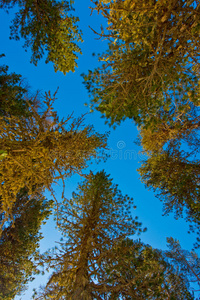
<point x="38" y="149"/>
<point x="148" y="73"/>
<point x="48" y="27"/>
<point x="97" y="260"/>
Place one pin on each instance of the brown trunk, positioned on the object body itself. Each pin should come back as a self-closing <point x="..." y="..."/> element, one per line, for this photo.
<point x="81" y="287"/>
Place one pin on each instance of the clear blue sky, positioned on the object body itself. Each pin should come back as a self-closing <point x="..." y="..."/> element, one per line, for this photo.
<point x="71" y="98"/>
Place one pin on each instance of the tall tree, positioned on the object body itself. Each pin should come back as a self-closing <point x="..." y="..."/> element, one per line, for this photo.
<point x="47" y="26"/>
<point x="12" y="92"/>
<point x="173" y="173"/>
<point x="187" y="263"/>
<point x="92" y="222"/>
<point x="98" y="261"/>
<point x="152" y="60"/>
<point x="150" y="73"/>
<point x="38" y="149"/>
<point x="19" y="242"/>
<point x="137" y="271"/>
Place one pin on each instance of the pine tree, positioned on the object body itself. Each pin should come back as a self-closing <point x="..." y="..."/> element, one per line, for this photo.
<point x="173" y="174"/>
<point x="92" y="222"/>
<point x="19" y="242"/>
<point x="187" y="263"/>
<point x="137" y="271"/>
<point x="12" y="94"/>
<point x="152" y="60"/>
<point x="38" y="149"/>
<point x="47" y="26"/>
<point x="97" y="260"/>
<point x="150" y="73"/>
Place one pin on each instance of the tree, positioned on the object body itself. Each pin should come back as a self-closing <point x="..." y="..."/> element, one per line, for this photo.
<point x="19" y="242"/>
<point x="137" y="271"/>
<point x="152" y="59"/>
<point x="47" y="26"/>
<point x="12" y="94"/>
<point x="97" y="260"/>
<point x="38" y="149"/>
<point x="92" y="222"/>
<point x="172" y="165"/>
<point x="150" y="74"/>
<point x="188" y="263"/>
<point x="175" y="179"/>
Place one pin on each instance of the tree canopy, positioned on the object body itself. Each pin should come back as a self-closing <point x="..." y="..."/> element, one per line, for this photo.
<point x="97" y="217"/>
<point x="151" y="62"/>
<point x="47" y="27"/>
<point x="96" y="260"/>
<point x="19" y="242"/>
<point x="150" y="73"/>
<point x="187" y="262"/>
<point x="12" y="92"/>
<point x="138" y="271"/>
<point x="174" y="176"/>
<point x="38" y="149"/>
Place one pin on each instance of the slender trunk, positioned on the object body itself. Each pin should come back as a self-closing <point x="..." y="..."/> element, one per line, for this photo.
<point x="81" y="286"/>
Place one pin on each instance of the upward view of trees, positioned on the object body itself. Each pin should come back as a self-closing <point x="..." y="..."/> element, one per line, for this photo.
<point x="152" y="59"/>
<point x="149" y="74"/>
<point x="19" y="243"/>
<point x="95" y="219"/>
<point x="38" y="149"/>
<point x="97" y="261"/>
<point x="47" y="27"/>
<point x="12" y="91"/>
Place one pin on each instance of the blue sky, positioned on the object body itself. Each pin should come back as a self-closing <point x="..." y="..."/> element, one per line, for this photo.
<point x="125" y="155"/>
